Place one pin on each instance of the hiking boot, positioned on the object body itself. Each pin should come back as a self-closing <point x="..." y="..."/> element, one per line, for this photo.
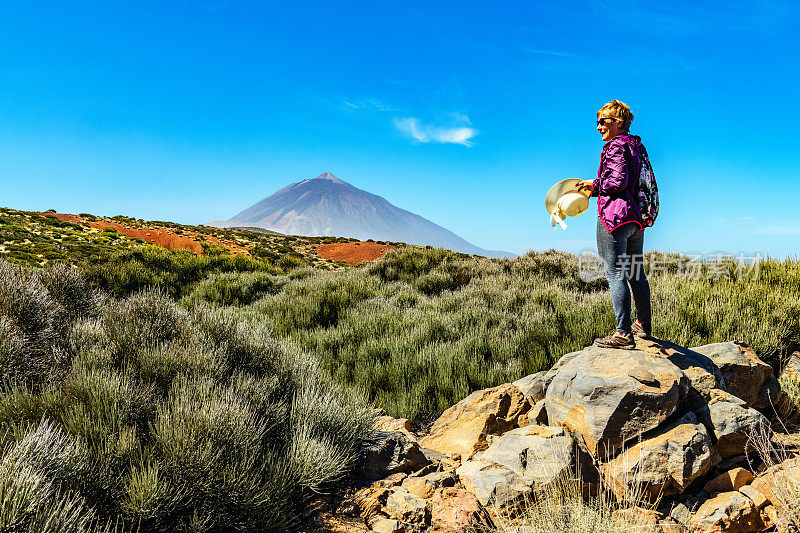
<point x="620" y="341"/>
<point x="639" y="331"/>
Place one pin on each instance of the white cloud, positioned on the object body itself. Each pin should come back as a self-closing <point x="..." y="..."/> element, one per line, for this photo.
<point x="440" y="134"/>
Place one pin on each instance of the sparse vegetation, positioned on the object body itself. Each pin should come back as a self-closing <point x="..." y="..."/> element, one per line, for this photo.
<point x="780" y="471"/>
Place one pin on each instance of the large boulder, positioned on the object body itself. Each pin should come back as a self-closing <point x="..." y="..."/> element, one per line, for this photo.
<point x="729" y="512"/>
<point x="550" y="374"/>
<point x="612" y="396"/>
<point x="744" y="373"/>
<point x="522" y="461"/>
<point x="458" y="511"/>
<point x="733" y="479"/>
<point x="463" y="429"/>
<point x="540" y="454"/>
<point x="389" y="452"/>
<point x="664" y="463"/>
<point x="732" y="422"/>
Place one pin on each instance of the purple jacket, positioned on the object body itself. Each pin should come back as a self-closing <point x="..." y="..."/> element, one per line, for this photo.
<point x="617" y="181"/>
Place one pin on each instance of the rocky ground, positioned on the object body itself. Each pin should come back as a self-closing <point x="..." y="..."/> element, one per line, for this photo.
<point x="681" y="438"/>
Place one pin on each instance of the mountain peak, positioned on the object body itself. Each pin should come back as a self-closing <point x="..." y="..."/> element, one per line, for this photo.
<point x="326" y="205"/>
<point x="330" y="177"/>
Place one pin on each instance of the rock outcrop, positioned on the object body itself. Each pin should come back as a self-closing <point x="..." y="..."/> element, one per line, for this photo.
<point x="609" y="397"/>
<point x="661" y="423"/>
<point x="390" y="452"/>
<point x="744" y="373"/>
<point x="732" y="422"/>
<point x="731" y="512"/>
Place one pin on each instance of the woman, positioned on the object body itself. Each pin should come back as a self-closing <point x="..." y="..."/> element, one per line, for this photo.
<point x="620" y="234"/>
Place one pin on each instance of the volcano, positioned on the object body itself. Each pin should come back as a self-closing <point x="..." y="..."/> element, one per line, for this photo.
<point x="327" y="205"/>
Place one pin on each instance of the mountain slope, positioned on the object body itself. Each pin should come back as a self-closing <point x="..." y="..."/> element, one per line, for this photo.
<point x="327" y="205"/>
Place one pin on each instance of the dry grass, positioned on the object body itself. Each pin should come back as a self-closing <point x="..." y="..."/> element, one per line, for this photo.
<point x="569" y="505"/>
<point x="781" y="472"/>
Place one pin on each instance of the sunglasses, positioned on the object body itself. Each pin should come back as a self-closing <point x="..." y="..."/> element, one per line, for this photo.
<point x="606" y="120"/>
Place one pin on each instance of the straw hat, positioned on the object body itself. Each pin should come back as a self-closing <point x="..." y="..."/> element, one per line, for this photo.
<point x="563" y="200"/>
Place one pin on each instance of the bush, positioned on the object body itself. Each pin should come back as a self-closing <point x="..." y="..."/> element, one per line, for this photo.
<point x="235" y="288"/>
<point x="37" y="477"/>
<point x="37" y="309"/>
<point x="175" y="272"/>
<point x="314" y="300"/>
<point x="165" y="419"/>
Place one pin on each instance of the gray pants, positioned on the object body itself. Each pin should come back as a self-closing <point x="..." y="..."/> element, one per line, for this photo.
<point x="621" y="252"/>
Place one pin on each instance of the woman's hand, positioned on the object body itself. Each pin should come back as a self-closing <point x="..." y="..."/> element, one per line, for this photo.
<point x="585" y="186"/>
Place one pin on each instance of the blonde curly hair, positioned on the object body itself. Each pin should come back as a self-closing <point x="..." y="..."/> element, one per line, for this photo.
<point x="617" y="109"/>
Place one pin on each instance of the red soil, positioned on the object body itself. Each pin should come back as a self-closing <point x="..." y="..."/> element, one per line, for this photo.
<point x="158" y="235"/>
<point x="353" y="252"/>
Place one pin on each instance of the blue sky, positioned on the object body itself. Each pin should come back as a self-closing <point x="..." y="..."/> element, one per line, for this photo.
<point x="462" y="112"/>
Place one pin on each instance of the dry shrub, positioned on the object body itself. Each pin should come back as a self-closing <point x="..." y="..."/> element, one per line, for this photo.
<point x="569" y="505"/>
<point x="780" y="472"/>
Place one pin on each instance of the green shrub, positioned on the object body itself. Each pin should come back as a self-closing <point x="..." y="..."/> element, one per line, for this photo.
<point x="290" y="261"/>
<point x="34" y="321"/>
<point x="315" y="300"/>
<point x="165" y="419"/>
<point x="175" y="272"/>
<point x="263" y="252"/>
